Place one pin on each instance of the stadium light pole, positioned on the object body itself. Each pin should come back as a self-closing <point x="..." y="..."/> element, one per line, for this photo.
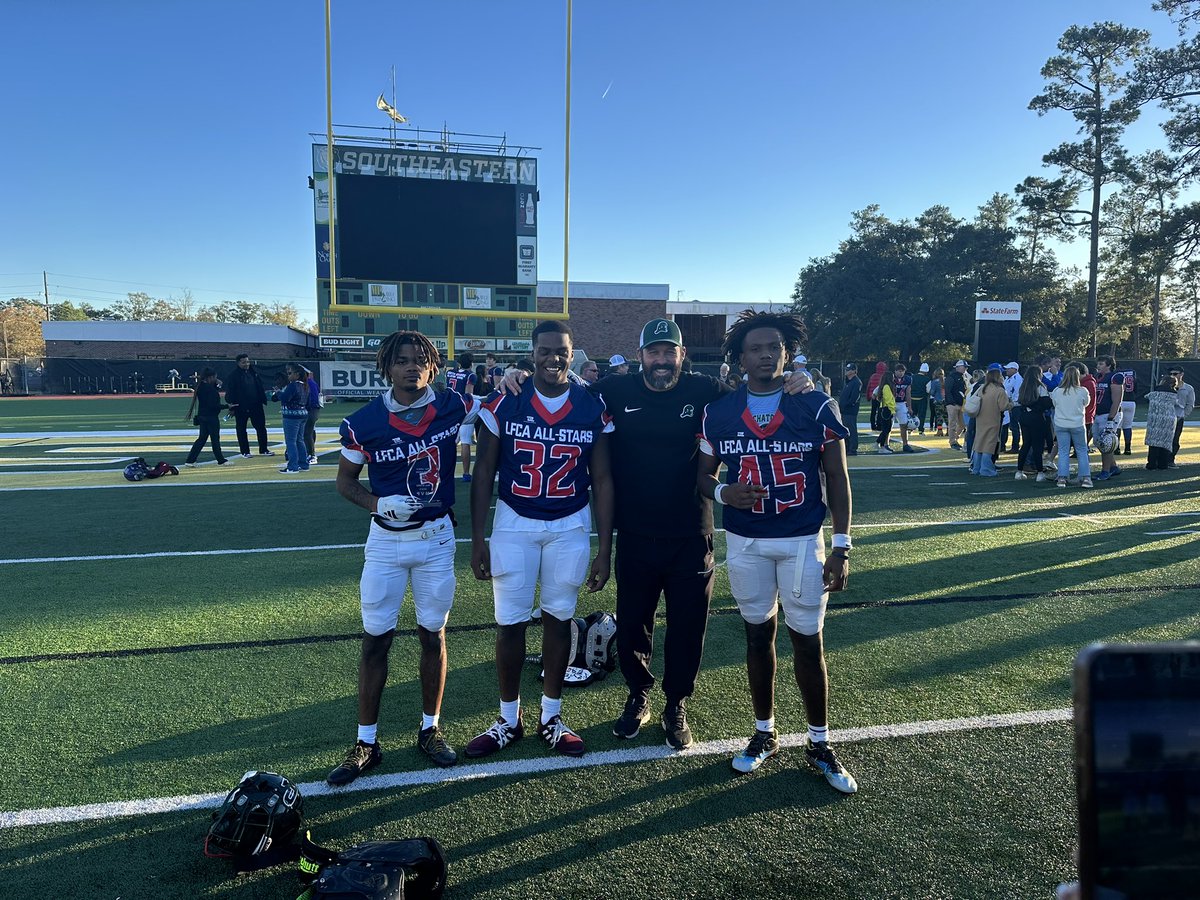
<point x="566" y="174"/>
<point x="329" y="152"/>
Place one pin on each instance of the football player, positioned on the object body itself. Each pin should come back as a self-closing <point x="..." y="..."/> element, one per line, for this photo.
<point x="464" y="380"/>
<point x="406" y="437"/>
<point x="1110" y="393"/>
<point x="782" y="453"/>
<point x="1128" y="406"/>
<point x="549" y="446"/>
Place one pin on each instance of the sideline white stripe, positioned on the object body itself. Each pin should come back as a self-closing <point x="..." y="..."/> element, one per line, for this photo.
<point x="169" y="481"/>
<point x="247" y="550"/>
<point x="95" y="811"/>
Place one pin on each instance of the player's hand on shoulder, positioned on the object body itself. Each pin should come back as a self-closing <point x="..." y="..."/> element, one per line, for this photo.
<point x="512" y="381"/>
<point x="397" y="507"/>
<point x="797" y="383"/>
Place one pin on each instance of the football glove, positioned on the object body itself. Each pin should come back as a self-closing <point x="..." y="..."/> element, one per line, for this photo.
<point x="397" y="507"/>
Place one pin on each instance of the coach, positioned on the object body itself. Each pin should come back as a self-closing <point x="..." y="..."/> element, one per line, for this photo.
<point x="664" y="527"/>
<point x="247" y="398"/>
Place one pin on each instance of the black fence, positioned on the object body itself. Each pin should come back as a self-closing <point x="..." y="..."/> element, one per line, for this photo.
<point x="61" y="375"/>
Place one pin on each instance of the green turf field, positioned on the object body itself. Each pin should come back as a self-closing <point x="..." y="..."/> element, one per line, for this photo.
<point x="140" y="658"/>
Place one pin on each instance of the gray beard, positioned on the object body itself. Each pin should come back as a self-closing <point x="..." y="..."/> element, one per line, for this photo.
<point x="661" y="381"/>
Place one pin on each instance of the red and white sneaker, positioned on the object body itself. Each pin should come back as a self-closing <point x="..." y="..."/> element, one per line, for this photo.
<point x="499" y="736"/>
<point x="559" y="737"/>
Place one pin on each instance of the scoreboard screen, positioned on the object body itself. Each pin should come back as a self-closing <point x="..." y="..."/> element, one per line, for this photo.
<point x="425" y="230"/>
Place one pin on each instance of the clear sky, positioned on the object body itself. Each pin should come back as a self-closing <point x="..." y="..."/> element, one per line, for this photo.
<point x="159" y="145"/>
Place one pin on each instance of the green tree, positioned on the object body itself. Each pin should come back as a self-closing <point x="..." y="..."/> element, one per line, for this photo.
<point x="1090" y="78"/>
<point x="1047" y="210"/>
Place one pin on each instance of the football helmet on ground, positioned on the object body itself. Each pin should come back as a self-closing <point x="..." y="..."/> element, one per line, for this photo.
<point x="262" y="814"/>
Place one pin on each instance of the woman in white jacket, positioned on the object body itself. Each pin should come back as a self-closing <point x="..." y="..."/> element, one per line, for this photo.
<point x="1070" y="400"/>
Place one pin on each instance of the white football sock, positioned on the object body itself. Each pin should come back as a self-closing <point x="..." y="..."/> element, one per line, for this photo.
<point x="428" y="721"/>
<point x="550" y="708"/>
<point x="818" y="733"/>
<point x="366" y="733"/>
<point x="765" y="724"/>
<point x="510" y="711"/>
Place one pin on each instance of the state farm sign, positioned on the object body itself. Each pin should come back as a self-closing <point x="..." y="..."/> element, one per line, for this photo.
<point x="997" y="312"/>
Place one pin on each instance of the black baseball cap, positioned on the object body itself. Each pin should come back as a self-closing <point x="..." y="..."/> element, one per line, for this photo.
<point x="850" y="366"/>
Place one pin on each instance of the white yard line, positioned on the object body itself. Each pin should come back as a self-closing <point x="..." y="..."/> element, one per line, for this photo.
<point x="540" y="765"/>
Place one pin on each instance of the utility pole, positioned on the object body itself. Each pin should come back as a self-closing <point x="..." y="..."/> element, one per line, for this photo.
<point x="46" y="292"/>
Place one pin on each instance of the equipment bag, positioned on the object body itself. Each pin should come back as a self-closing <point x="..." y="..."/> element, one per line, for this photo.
<point x="375" y="870"/>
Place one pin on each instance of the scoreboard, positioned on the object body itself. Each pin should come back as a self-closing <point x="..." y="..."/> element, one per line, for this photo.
<point x="417" y="227"/>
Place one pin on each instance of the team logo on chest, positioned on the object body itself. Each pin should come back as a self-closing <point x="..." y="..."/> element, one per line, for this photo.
<point x="687" y="412"/>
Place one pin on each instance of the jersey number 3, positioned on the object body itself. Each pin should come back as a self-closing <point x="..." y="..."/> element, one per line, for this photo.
<point x="785" y="472"/>
<point x="568" y="453"/>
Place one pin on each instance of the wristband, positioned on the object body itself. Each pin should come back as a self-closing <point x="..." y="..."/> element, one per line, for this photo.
<point x="717" y="493"/>
<point x="840" y="553"/>
<point x="842" y="542"/>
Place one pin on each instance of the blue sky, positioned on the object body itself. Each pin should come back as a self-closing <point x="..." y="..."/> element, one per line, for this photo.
<point x="164" y="145"/>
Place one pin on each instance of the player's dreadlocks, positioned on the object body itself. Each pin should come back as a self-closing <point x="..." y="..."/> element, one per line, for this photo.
<point x="389" y="349"/>
<point x="789" y="326"/>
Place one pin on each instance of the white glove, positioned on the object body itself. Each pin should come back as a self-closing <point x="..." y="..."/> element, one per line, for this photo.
<point x="397" y="507"/>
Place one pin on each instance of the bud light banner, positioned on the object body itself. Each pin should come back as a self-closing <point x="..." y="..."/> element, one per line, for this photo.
<point x="351" y="379"/>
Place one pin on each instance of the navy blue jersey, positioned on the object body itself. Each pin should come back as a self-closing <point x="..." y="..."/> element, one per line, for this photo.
<point x="545" y="457"/>
<point x="901" y="387"/>
<point x="784" y="456"/>
<point x="1103" y="395"/>
<point x="458" y="379"/>
<point x="411" y="453"/>
<point x="1129" y="377"/>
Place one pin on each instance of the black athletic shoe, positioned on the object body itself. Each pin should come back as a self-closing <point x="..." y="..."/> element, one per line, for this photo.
<point x="432" y="743"/>
<point x="762" y="747"/>
<point x="362" y="756"/>
<point x="635" y="715"/>
<point x="822" y="758"/>
<point x="674" y="723"/>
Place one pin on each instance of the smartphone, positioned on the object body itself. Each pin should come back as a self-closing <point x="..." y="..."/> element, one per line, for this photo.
<point x="1137" y="752"/>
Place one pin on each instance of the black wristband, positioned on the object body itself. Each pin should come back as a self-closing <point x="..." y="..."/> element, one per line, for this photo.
<point x="840" y="553"/>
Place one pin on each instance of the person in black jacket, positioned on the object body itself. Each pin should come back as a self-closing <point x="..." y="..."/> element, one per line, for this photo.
<point x="247" y="398"/>
<point x="956" y="392"/>
<point x="848" y="403"/>
<point x="206" y="401"/>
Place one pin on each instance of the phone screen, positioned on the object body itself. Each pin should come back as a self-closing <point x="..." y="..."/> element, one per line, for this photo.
<point x="1145" y="764"/>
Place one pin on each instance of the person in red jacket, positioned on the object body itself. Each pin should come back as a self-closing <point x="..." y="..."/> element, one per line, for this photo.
<point x="1087" y="381"/>
<point x="881" y="369"/>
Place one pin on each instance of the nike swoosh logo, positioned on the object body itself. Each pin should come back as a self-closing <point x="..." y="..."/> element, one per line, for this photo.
<point x="635" y="409"/>
<point x="443" y="543"/>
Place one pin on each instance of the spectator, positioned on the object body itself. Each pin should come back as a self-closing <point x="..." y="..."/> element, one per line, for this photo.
<point x="937" y="401"/>
<point x="872" y="392"/>
<point x="1087" y="381"/>
<point x="247" y="399"/>
<point x="886" y="400"/>
<point x="6" y="382"/>
<point x="994" y="403"/>
<point x="1029" y="421"/>
<point x="206" y="401"/>
<point x="463" y="380"/>
<point x="848" y="401"/>
<point x="1160" y="423"/>
<point x="590" y="372"/>
<point x="976" y="384"/>
<point x="617" y="365"/>
<point x="1071" y="402"/>
<point x="919" y="398"/>
<point x="293" y="401"/>
<point x="1185" y="402"/>
<point x="313" y="403"/>
<point x="956" y="392"/>
<point x="1012" y="423"/>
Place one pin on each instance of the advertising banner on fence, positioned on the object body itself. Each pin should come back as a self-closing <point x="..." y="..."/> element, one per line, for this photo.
<point x="351" y="379"/>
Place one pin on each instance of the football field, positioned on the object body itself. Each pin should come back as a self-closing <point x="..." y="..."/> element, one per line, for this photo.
<point x="159" y="639"/>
